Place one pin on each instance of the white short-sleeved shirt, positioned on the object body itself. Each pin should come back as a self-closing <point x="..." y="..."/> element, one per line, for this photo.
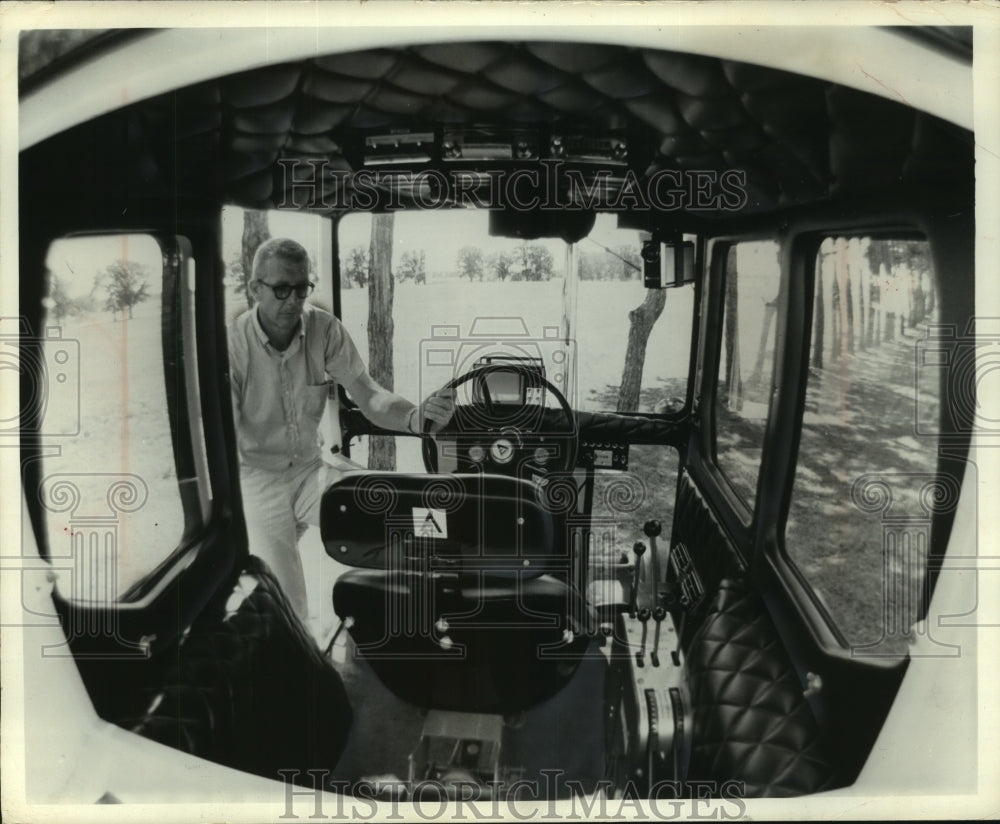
<point x="279" y="397"/>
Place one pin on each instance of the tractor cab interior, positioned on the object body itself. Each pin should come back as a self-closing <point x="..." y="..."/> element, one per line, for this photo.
<point x="702" y="316"/>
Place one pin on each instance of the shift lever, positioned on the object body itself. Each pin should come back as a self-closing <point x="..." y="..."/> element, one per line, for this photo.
<point x="659" y="613"/>
<point x="653" y="528"/>
<point x="633" y="602"/>
<point x="644" y="617"/>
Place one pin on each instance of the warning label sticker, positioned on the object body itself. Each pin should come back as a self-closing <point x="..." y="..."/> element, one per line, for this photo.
<point x="430" y="523"/>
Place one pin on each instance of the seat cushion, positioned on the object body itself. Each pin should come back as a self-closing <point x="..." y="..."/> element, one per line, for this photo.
<point x="468" y="643"/>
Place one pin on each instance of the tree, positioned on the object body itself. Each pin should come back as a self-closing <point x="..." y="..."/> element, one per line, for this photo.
<point x="588" y="266"/>
<point x="626" y="262"/>
<point x="819" y="320"/>
<point x="502" y="265"/>
<point x="382" y="451"/>
<point x="62" y="305"/>
<point x="125" y="285"/>
<point x="356" y="268"/>
<point x="470" y="262"/>
<point x="536" y="262"/>
<point x="733" y="386"/>
<point x="413" y="267"/>
<point x="641" y="320"/>
<point x="255" y="232"/>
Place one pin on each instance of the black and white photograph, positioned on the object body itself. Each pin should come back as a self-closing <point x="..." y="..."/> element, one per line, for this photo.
<point x="542" y="411"/>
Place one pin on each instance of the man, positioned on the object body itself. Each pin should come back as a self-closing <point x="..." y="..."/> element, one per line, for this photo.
<point x="284" y="354"/>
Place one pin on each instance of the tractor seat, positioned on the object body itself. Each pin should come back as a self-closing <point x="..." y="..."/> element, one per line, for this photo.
<point x="465" y="600"/>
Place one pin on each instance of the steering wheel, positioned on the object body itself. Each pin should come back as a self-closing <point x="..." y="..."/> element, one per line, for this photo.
<point x="507" y="439"/>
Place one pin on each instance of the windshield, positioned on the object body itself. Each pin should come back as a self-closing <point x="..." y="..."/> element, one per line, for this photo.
<point x="460" y="294"/>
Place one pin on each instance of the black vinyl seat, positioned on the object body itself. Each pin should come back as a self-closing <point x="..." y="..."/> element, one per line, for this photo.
<point x="466" y="602"/>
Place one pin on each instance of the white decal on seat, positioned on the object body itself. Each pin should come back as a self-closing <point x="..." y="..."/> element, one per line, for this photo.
<point x="430" y="523"/>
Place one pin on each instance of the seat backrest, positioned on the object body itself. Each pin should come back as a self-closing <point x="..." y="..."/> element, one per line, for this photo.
<point x="492" y="524"/>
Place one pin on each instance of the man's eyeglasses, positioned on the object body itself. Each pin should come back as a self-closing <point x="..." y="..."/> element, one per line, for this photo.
<point x="283" y="290"/>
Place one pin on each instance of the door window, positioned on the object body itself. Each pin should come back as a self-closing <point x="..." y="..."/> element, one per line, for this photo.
<point x="866" y="485"/>
<point x="746" y="362"/>
<point x="109" y="491"/>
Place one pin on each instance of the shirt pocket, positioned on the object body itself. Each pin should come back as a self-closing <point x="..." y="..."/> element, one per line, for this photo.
<point x="312" y="402"/>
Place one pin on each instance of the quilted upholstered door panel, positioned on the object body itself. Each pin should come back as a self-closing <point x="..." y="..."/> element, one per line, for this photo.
<point x="751" y="721"/>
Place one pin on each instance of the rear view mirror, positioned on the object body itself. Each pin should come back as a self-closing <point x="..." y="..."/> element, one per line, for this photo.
<point x="667" y="264"/>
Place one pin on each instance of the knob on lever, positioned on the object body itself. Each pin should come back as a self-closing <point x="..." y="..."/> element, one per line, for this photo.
<point x="639" y="548"/>
<point x="444" y="641"/>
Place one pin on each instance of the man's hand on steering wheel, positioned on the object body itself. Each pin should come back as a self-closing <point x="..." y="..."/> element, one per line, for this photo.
<point x="436" y="410"/>
<point x="508" y="438"/>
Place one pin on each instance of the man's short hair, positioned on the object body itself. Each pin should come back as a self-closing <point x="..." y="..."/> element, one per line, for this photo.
<point x="284" y="248"/>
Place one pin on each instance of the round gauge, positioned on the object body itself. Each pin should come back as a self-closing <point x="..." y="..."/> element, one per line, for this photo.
<point x="476" y="453"/>
<point x="502" y="450"/>
<point x="542" y="455"/>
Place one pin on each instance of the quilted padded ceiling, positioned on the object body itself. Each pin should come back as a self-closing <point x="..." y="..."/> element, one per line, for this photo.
<point x="797" y="139"/>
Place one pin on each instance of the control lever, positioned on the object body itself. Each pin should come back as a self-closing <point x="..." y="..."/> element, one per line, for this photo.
<point x="675" y="654"/>
<point x="644" y="614"/>
<point x="659" y="613"/>
<point x="652" y="529"/>
<point x="633" y="602"/>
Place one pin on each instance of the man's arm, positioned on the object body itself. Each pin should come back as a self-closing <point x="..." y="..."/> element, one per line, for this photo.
<point x="237" y="368"/>
<point x="391" y="411"/>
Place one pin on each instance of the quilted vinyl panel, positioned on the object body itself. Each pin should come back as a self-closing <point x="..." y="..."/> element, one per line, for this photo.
<point x="750" y="720"/>
<point x="250" y="690"/>
<point x="798" y="139"/>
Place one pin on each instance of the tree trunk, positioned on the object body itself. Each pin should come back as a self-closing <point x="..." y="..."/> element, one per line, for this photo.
<point x="858" y="269"/>
<point x="837" y="329"/>
<point x="846" y="294"/>
<point x="819" y="321"/>
<point x="733" y="386"/>
<point x="770" y="309"/>
<point x="255" y="232"/>
<point x="382" y="451"/>
<point x="641" y="320"/>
